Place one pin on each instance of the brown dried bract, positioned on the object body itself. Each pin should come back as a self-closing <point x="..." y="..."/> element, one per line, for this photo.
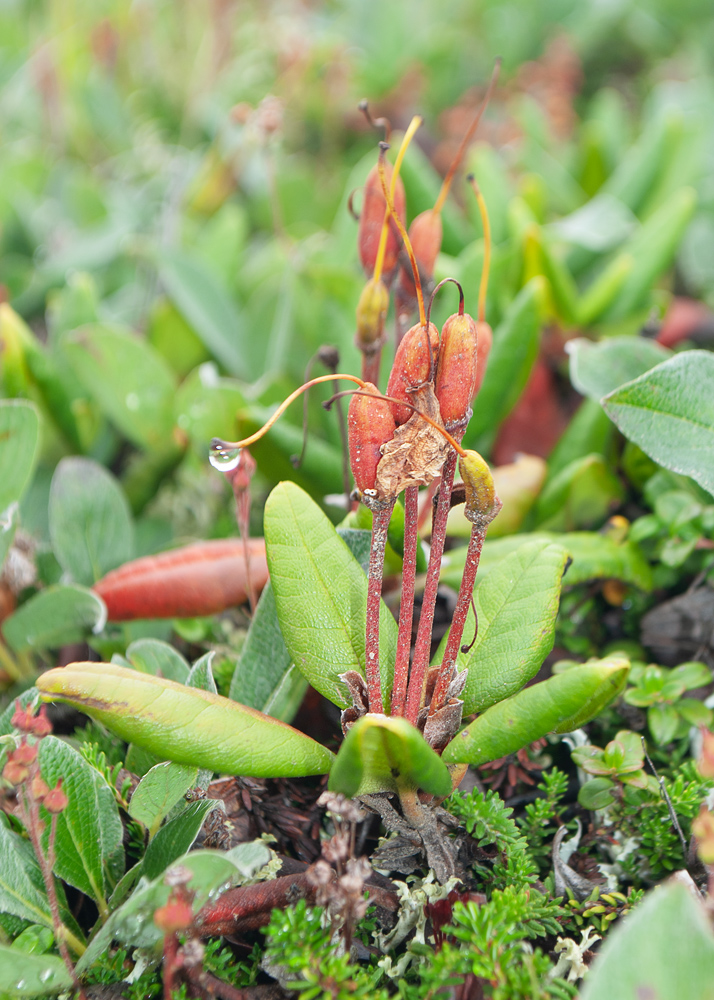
<point x="416" y="453"/>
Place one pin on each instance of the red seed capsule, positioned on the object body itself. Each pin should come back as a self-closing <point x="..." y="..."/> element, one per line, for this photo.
<point x="425" y="234"/>
<point x="372" y="218"/>
<point x="370" y="424"/>
<point x="458" y="368"/>
<point x="485" y="339"/>
<point x="413" y="365"/>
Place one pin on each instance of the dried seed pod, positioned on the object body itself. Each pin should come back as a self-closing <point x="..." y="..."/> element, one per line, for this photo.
<point x="414" y="364"/>
<point x="482" y="503"/>
<point x="371" y="314"/>
<point x="458" y="368"/>
<point x="371" y="219"/>
<point x="425" y="234"/>
<point x="370" y="425"/>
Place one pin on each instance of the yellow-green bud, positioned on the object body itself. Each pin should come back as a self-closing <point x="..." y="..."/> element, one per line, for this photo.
<point x="482" y="503"/>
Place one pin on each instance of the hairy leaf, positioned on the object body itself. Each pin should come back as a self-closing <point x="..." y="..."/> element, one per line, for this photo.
<point x="669" y="413"/>
<point x="55" y="617"/>
<point x="90" y="523"/>
<point x="90" y="853"/>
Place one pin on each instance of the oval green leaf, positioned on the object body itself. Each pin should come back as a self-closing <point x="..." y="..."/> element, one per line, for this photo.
<point x="517" y="605"/>
<point x="89" y="839"/>
<point x="130" y="381"/>
<point x="321" y="595"/>
<point x="19" y="437"/>
<point x="55" y="617"/>
<point x="91" y="528"/>
<point x="382" y="754"/>
<point x="669" y="413"/>
<point x="185" y="724"/>
<point x="559" y="704"/>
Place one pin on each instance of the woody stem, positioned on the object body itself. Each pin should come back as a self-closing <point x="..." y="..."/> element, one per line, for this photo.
<point x="448" y="664"/>
<point x="422" y="647"/>
<point x="406" y="606"/>
<point x="381" y="513"/>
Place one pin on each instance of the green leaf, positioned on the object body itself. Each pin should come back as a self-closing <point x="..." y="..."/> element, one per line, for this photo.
<point x="597" y="368"/>
<point x="595" y="557"/>
<point x="652" y="247"/>
<point x="579" y="496"/>
<point x="90" y="852"/>
<point x="560" y="704"/>
<point x="201" y="675"/>
<point x="589" y="431"/>
<point x="515" y="346"/>
<point x="205" y="304"/>
<point x="90" y="524"/>
<point x="152" y="656"/>
<point x="669" y="413"/>
<point x="321" y="595"/>
<point x="9" y="520"/>
<point x="265" y="677"/>
<point x="22" y="891"/>
<point x="176" y="837"/>
<point x="692" y="675"/>
<point x="381" y="754"/>
<point x="663" y="949"/>
<point x="206" y="406"/>
<point x="159" y="791"/>
<point x="133" y="922"/>
<point x="54" y="617"/>
<point x="663" y="721"/>
<point x="19" y="437"/>
<point x="23" y="975"/>
<point x="130" y="381"/>
<point x="516" y="605"/>
<point x="185" y="724"/>
<point x="694" y="712"/>
<point x="596" y="794"/>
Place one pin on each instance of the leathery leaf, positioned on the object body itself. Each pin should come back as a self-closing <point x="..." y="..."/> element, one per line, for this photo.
<point x="185" y="725"/>
<point x="383" y="754"/>
<point x="517" y="605"/>
<point x="562" y="703"/>
<point x="321" y="595"/>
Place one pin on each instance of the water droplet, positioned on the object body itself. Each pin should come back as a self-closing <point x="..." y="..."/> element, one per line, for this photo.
<point x="132" y="401"/>
<point x="46" y="976"/>
<point x="20" y="984"/>
<point x="224" y="456"/>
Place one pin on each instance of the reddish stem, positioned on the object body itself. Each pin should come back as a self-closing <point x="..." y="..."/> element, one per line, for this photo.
<point x="171" y="947"/>
<point x="422" y="647"/>
<point x="406" y="606"/>
<point x="446" y="671"/>
<point x="29" y="813"/>
<point x="381" y="513"/>
<point x="371" y="362"/>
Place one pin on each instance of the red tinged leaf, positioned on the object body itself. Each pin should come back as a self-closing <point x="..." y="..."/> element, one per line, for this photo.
<point x="195" y="580"/>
